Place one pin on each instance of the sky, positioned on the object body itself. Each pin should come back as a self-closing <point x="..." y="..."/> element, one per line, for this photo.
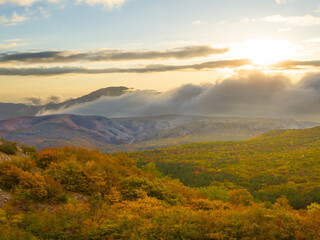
<point x="67" y="48"/>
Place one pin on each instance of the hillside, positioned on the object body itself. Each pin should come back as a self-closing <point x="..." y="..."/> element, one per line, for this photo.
<point x="131" y="134"/>
<point x="212" y="129"/>
<point x="70" y="193"/>
<point x="280" y="162"/>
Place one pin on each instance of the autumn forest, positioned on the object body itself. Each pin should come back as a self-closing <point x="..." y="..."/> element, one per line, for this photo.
<point x="267" y="187"/>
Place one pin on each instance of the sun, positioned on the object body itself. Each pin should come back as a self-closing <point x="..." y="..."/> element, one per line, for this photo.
<point x="265" y="52"/>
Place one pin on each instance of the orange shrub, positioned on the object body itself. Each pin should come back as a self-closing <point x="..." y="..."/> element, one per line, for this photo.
<point x="45" y="157"/>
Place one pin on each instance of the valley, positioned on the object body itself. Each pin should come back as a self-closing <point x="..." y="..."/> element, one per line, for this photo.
<point x="130" y="134"/>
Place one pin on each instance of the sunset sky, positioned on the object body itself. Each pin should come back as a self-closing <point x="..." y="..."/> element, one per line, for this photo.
<point x="70" y="48"/>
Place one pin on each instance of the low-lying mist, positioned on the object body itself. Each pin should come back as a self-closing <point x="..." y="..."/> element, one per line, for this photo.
<point x="249" y="94"/>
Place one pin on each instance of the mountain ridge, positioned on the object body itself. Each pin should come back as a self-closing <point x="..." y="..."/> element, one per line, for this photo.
<point x="126" y="134"/>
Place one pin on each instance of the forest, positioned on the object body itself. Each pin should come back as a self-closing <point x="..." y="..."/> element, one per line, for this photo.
<point x="274" y="164"/>
<point x="263" y="188"/>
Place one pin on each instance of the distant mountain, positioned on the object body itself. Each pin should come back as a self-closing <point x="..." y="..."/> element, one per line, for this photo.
<point x="10" y="110"/>
<point x="211" y="129"/>
<point x="127" y="134"/>
<point x="104" y="92"/>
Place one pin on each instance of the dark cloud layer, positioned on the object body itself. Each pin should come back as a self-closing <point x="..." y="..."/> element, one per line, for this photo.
<point x="146" y="69"/>
<point x="294" y="64"/>
<point x="251" y="94"/>
<point x="110" y="55"/>
<point x="51" y="71"/>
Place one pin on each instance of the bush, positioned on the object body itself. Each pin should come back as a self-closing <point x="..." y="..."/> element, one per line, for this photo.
<point x="35" y="183"/>
<point x="9" y="175"/>
<point x="24" y="163"/>
<point x="70" y="174"/>
<point x="215" y="193"/>
<point x="134" y="187"/>
<point x="45" y="157"/>
<point x="55" y="191"/>
<point x="29" y="150"/>
<point x="240" y="196"/>
<point x="8" y="147"/>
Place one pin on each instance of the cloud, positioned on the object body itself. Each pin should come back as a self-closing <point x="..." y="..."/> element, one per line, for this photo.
<point x="247" y="20"/>
<point x="199" y="22"/>
<point x="8" y="45"/>
<point x="106" y="3"/>
<point x="11" y="43"/>
<point x="223" y="22"/>
<point x="249" y="94"/>
<point x="110" y="55"/>
<point x="15" y="19"/>
<point x="294" y="64"/>
<point x="109" y="4"/>
<point x="318" y="9"/>
<point x="312" y="40"/>
<point x="147" y="69"/>
<point x="54" y="99"/>
<point x="284" y="29"/>
<point x="45" y="14"/>
<point x="52" y="71"/>
<point x="19" y="2"/>
<point x="281" y="1"/>
<point x="33" y="100"/>
<point x="306" y="20"/>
